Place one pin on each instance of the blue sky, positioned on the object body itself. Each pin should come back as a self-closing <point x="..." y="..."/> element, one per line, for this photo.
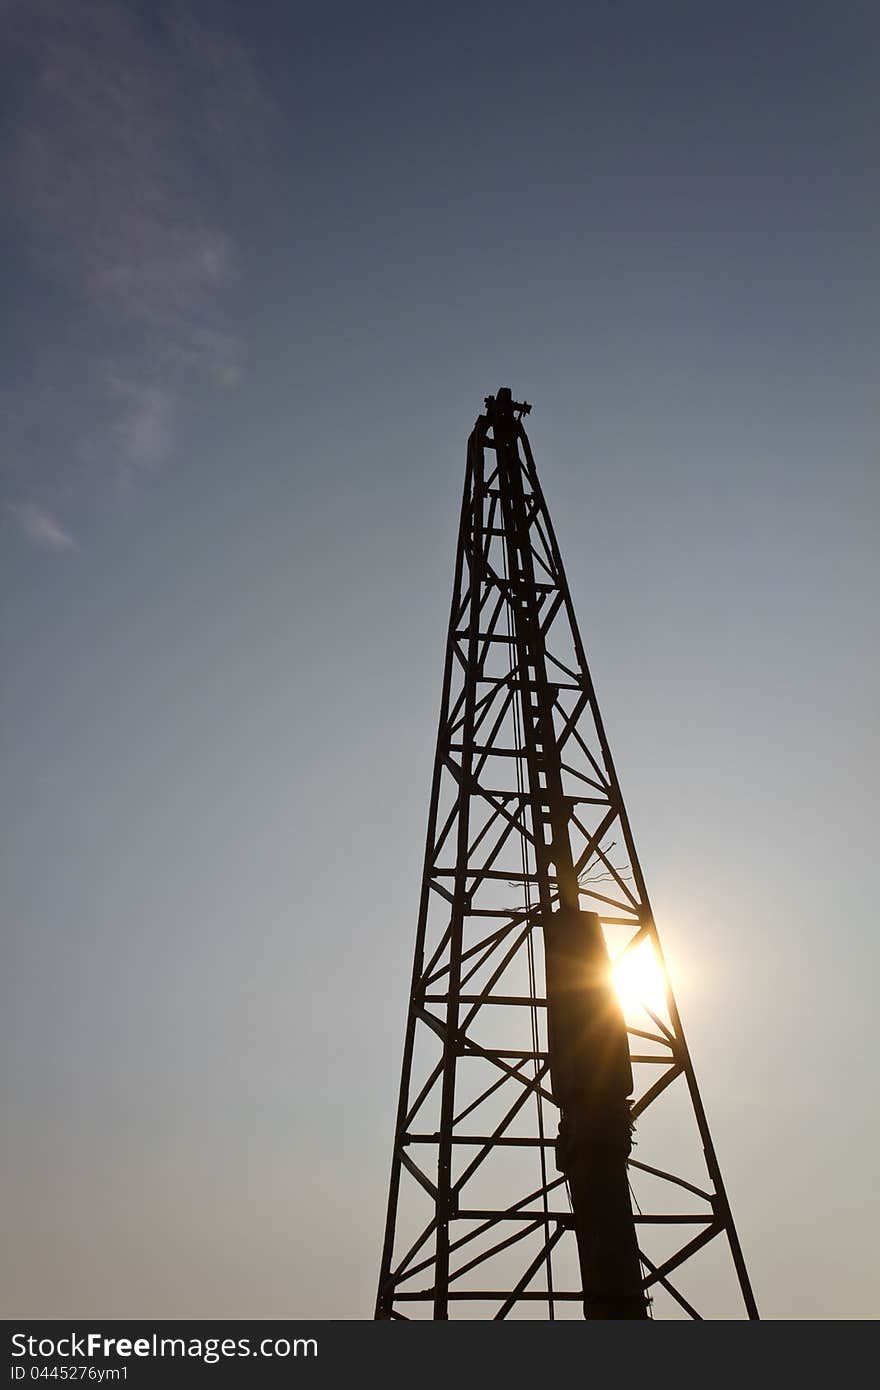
<point x="263" y="263"/>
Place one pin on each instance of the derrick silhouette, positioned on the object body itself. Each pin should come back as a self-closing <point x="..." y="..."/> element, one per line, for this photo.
<point x="514" y="1188"/>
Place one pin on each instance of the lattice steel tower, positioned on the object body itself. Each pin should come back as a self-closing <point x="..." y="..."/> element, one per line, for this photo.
<point x="531" y="1066"/>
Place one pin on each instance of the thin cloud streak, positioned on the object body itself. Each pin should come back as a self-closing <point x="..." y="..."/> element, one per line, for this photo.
<point x="107" y="154"/>
<point x="40" y="527"/>
<point x="144" y="420"/>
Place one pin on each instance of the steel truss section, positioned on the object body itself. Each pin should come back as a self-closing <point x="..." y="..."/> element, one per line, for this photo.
<point x="530" y="865"/>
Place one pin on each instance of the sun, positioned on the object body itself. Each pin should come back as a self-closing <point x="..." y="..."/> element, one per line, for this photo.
<point x="639" y="981"/>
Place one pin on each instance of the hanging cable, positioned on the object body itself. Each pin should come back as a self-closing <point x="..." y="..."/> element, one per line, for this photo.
<point x="519" y="679"/>
<point x="637" y="1205"/>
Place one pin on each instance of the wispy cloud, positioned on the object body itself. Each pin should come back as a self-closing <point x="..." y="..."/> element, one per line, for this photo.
<point x="117" y="160"/>
<point x="40" y="527"/>
<point x="144" y="421"/>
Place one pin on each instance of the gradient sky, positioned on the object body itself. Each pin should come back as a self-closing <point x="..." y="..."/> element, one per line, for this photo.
<point x="261" y="265"/>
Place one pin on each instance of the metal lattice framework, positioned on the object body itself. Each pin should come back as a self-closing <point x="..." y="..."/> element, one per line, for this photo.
<point x="526" y="823"/>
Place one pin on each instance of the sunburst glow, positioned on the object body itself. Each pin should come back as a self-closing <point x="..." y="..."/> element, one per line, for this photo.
<point x="639" y="980"/>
